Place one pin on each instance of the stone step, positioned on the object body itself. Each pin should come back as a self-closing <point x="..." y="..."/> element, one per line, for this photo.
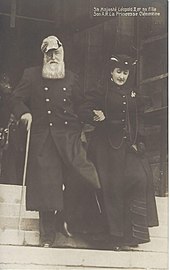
<point x="55" y="258"/>
<point x="12" y="210"/>
<point x="52" y="267"/>
<point x="160" y="231"/>
<point x="8" y="217"/>
<point x="27" y="224"/>
<point x="15" y="237"/>
<point x="156" y="244"/>
<point x="30" y="222"/>
<point x="44" y="267"/>
<point x="11" y="194"/>
<point x="150" y="256"/>
<point x="9" y="210"/>
<point x="163" y="217"/>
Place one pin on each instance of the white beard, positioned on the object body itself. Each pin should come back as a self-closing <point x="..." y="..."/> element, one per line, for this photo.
<point x="53" y="71"/>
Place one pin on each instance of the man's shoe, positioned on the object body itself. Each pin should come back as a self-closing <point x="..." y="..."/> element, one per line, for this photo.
<point x="46" y="244"/>
<point x="125" y="248"/>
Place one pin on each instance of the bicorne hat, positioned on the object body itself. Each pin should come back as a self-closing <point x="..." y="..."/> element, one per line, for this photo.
<point x="50" y="43"/>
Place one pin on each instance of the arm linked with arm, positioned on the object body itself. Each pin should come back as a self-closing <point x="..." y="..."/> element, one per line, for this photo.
<point x="92" y="109"/>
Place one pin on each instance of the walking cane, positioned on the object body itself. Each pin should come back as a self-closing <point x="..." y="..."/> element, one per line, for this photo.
<point x="24" y="179"/>
<point x="98" y="204"/>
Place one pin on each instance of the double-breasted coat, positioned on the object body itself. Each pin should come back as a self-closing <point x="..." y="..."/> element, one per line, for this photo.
<point x="55" y="140"/>
<point x="124" y="172"/>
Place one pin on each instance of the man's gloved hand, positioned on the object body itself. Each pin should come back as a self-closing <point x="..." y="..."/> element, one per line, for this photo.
<point x="99" y="115"/>
<point x="135" y="147"/>
<point x="26" y="119"/>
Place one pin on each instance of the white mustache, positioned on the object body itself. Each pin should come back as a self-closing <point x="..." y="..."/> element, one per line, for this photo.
<point x="53" y="62"/>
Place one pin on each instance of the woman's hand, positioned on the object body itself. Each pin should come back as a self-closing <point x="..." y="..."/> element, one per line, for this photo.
<point x="135" y="147"/>
<point x="141" y="148"/>
<point x="26" y="119"/>
<point x="99" y="115"/>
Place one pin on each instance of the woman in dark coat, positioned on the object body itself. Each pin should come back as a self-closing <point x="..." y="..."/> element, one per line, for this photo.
<point x="117" y="150"/>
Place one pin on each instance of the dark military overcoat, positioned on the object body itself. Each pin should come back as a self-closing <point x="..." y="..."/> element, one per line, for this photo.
<point x="55" y="144"/>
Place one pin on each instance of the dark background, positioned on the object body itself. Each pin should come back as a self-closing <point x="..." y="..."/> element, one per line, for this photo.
<point x="89" y="41"/>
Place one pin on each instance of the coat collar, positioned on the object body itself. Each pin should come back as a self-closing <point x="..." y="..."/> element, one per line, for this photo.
<point x="124" y="90"/>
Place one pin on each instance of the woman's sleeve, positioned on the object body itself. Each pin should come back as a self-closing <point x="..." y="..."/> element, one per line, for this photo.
<point x="93" y="100"/>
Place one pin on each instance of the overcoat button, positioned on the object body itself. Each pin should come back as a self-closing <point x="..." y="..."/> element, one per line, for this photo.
<point x="51" y="124"/>
<point x="64" y="99"/>
<point x="47" y="99"/>
<point x="46" y="88"/>
<point x="65" y="122"/>
<point x="64" y="88"/>
<point x="49" y="112"/>
<point x="124" y="102"/>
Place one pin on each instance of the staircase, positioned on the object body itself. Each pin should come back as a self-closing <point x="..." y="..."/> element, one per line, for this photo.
<point x="10" y="196"/>
<point x="17" y="251"/>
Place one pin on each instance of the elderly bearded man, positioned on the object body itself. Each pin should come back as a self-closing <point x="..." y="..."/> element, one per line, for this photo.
<point x="47" y="100"/>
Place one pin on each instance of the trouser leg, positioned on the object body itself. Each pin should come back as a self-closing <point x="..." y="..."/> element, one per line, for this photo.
<point x="47" y="225"/>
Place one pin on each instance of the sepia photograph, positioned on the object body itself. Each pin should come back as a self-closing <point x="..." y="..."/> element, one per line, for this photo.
<point x="84" y="135"/>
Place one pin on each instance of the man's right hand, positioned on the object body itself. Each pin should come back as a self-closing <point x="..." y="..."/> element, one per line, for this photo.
<point x="26" y="119"/>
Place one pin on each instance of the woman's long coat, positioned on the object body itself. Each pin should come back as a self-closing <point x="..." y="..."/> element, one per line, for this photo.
<point x="125" y="174"/>
<point x="55" y="145"/>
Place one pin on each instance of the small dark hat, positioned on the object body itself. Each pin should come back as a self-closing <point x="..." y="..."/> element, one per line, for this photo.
<point x="122" y="61"/>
